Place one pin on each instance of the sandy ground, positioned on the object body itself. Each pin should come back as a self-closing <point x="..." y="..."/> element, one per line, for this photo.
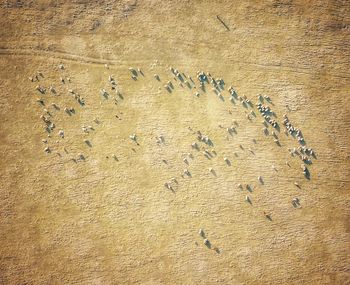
<point x="64" y="220"/>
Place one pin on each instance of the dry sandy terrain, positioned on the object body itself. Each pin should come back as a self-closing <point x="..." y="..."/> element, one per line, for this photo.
<point x="111" y="220"/>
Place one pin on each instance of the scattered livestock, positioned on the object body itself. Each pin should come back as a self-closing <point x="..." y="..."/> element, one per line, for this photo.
<point x="204" y="142"/>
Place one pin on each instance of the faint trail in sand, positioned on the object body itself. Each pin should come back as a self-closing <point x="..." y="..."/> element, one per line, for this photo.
<point x="101" y="61"/>
<point x="58" y="55"/>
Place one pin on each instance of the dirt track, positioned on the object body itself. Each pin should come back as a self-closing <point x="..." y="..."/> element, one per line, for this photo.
<point x="64" y="220"/>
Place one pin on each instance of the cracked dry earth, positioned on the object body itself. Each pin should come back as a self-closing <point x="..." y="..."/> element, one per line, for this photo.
<point x="101" y="206"/>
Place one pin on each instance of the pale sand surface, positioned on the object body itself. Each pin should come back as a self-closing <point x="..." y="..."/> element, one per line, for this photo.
<point x="102" y="221"/>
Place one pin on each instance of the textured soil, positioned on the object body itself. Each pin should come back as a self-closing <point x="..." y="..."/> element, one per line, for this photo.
<point x="108" y="218"/>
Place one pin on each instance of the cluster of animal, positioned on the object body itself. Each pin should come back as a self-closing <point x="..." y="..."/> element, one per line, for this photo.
<point x="206" y="241"/>
<point x="203" y="143"/>
<point x="48" y="116"/>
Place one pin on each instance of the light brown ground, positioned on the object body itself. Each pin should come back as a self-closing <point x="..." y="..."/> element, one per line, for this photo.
<point x="113" y="222"/>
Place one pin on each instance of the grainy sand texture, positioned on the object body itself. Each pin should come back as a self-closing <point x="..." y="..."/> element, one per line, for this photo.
<point x="135" y="149"/>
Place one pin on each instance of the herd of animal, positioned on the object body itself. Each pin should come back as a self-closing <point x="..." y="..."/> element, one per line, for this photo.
<point x="202" y="143"/>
